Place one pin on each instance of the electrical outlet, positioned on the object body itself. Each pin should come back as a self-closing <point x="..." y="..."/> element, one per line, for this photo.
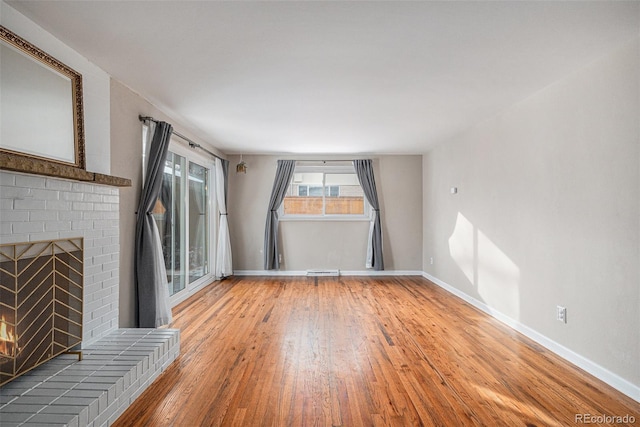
<point x="431" y="259"/>
<point x="561" y="313"/>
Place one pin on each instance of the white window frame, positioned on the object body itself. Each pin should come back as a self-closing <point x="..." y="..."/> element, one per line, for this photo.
<point x="177" y="147"/>
<point x="328" y="169"/>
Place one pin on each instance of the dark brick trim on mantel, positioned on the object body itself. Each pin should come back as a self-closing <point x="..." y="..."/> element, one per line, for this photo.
<point x="18" y="163"/>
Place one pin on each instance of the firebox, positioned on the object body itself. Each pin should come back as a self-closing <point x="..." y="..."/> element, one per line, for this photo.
<point x="41" y="292"/>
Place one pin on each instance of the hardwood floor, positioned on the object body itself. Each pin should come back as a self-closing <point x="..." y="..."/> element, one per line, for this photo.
<point x="355" y="351"/>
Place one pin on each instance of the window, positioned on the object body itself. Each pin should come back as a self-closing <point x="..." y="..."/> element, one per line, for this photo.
<point x="328" y="192"/>
<point x="316" y="190"/>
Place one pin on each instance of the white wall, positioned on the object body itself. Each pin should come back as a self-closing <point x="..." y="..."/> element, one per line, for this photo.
<point x="547" y="212"/>
<point x="95" y="86"/>
<point x="328" y="244"/>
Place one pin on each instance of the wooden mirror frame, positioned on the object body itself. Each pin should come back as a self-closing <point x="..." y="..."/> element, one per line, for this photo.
<point x="15" y="160"/>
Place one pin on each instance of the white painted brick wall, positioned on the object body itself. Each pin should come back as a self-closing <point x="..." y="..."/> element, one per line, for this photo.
<point x="34" y="208"/>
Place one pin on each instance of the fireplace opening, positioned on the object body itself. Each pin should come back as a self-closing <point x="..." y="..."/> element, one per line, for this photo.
<point x="41" y="300"/>
<point x="7" y="339"/>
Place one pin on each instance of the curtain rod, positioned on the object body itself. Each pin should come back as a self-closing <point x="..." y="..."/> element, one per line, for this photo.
<point x="325" y="161"/>
<point x="191" y="143"/>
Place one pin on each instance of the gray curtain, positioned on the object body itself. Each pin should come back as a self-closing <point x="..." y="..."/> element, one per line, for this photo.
<point x="284" y="173"/>
<point x="150" y="272"/>
<point x="165" y="233"/>
<point x="364" y="170"/>
<point x="225" y="174"/>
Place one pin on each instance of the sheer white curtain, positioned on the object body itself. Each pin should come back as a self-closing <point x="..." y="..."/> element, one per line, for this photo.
<point x="223" y="254"/>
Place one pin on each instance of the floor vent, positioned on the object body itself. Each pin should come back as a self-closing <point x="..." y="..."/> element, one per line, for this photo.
<point x="323" y="272"/>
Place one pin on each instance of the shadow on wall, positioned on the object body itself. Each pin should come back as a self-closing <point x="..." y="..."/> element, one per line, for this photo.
<point x="488" y="269"/>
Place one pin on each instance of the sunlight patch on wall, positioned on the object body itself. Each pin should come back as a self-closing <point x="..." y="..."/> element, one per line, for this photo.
<point x="487" y="267"/>
<point x="498" y="278"/>
<point x="462" y="248"/>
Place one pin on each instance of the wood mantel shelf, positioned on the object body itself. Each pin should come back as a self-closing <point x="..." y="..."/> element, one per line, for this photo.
<point x="34" y="166"/>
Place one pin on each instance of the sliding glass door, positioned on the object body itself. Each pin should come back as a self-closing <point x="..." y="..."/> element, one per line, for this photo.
<point x="199" y="222"/>
<point x="170" y="216"/>
<point x="183" y="216"/>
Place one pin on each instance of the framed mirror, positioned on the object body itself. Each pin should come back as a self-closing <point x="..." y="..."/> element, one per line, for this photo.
<point x="41" y="113"/>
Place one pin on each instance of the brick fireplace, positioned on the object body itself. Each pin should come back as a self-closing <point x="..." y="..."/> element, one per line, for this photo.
<point x="118" y="363"/>
<point x="35" y="208"/>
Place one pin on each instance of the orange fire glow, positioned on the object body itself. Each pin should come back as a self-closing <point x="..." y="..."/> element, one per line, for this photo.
<point x="7" y="339"/>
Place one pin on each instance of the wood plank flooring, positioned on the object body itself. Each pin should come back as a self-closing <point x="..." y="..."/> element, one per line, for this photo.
<point x="356" y="351"/>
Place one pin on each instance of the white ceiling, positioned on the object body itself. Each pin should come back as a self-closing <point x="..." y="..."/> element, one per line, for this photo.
<point x="335" y="77"/>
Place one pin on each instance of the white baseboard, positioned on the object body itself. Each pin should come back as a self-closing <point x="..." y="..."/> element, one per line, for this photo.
<point x="615" y="381"/>
<point x="380" y="273"/>
<point x="269" y="273"/>
<point x="342" y="273"/>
